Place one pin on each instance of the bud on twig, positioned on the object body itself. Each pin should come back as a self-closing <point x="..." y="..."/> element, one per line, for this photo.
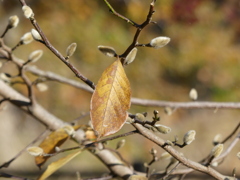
<point x="193" y="94"/>
<point x="130" y="57"/>
<point x="13" y="21"/>
<point x="42" y="87"/>
<point x="108" y="51"/>
<point x="140" y="117"/>
<point x="5" y="77"/>
<point x="35" y="151"/>
<point x="189" y="137"/>
<point x="69" y="130"/>
<point x="27" y="11"/>
<point x="159" y="42"/>
<point x="71" y="49"/>
<point x="26" y="38"/>
<point x="36" y="35"/>
<point x="35" y="56"/>
<point x="162" y="129"/>
<point x="238" y="155"/>
<point x="217" y="139"/>
<point x="217" y="150"/>
<point x="120" y="144"/>
<point x="165" y="156"/>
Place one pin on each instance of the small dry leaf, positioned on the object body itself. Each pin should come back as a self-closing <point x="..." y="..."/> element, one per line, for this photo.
<point x="55" y="139"/>
<point x="110" y="100"/>
<point x="35" y="151"/>
<point x="57" y="164"/>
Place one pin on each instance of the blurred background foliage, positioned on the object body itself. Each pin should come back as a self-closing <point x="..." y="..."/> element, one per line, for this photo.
<point x="203" y="54"/>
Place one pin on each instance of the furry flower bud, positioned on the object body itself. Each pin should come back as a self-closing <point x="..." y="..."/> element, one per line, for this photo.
<point x="130" y="57"/>
<point x="13" y="21"/>
<point x="159" y="42"/>
<point x="36" y="35"/>
<point x="162" y="129"/>
<point x="217" y="150"/>
<point x="193" y="94"/>
<point x="108" y="51"/>
<point x="26" y="38"/>
<point x="35" y="151"/>
<point x="35" y="55"/>
<point x="69" y="130"/>
<point x="120" y="143"/>
<point x="42" y="87"/>
<point x="189" y="137"/>
<point x="27" y="11"/>
<point x="71" y="49"/>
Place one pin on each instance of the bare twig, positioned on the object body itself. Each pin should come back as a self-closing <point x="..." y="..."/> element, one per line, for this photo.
<point x="6" y="164"/>
<point x="139" y="101"/>
<point x="57" y="53"/>
<point x="187" y="162"/>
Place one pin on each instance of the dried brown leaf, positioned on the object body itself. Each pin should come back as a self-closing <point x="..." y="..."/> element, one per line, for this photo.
<point x="55" y="139"/>
<point x="57" y="164"/>
<point x="110" y="100"/>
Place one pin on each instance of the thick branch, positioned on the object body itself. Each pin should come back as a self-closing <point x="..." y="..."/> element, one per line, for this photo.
<point x="42" y="115"/>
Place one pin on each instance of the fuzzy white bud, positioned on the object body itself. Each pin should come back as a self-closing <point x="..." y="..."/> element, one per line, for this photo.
<point x="193" y="94"/>
<point x="159" y="42"/>
<point x="217" y="139"/>
<point x="27" y="38"/>
<point x="13" y="21"/>
<point x="130" y="57"/>
<point x="35" y="56"/>
<point x="217" y="150"/>
<point x="36" y="35"/>
<point x="35" y="151"/>
<point x="140" y="117"/>
<point x="165" y="156"/>
<point x="238" y="155"/>
<point x="168" y="110"/>
<point x="71" y="49"/>
<point x="108" y="51"/>
<point x="5" y="77"/>
<point x="120" y="143"/>
<point x="189" y="137"/>
<point x="27" y="11"/>
<point x="69" y="130"/>
<point x="42" y="87"/>
<point x="162" y="129"/>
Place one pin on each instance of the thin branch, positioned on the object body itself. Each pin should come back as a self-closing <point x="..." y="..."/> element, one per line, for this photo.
<point x="57" y="53"/>
<point x="111" y="9"/>
<point x="6" y="164"/>
<point x="139" y="101"/>
<point x="187" y="162"/>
